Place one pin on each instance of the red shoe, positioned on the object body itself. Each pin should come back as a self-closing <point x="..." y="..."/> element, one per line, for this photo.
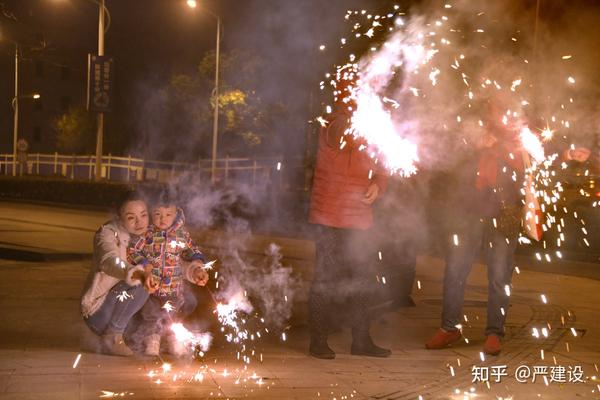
<point x="443" y="339"/>
<point x="492" y="345"/>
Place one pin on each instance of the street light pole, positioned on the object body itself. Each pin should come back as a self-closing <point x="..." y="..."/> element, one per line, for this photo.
<point x="16" y="111"/>
<point x="215" y="139"/>
<point x="100" y="126"/>
<point x="216" y="114"/>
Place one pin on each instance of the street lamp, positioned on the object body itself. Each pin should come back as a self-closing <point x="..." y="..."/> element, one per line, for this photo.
<point x="15" y="106"/>
<point x="213" y="169"/>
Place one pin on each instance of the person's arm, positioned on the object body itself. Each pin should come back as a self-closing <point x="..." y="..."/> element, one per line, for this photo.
<point x="193" y="262"/>
<point x="107" y="245"/>
<point x="137" y="255"/>
<point x="191" y="251"/>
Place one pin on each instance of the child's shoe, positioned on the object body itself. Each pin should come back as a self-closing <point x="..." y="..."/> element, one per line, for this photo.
<point x="152" y="343"/>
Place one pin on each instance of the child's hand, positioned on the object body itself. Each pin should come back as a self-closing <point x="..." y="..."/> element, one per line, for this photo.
<point x="200" y="276"/>
<point x="150" y="283"/>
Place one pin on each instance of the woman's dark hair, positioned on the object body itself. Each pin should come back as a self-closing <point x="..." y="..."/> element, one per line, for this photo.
<point x="129" y="196"/>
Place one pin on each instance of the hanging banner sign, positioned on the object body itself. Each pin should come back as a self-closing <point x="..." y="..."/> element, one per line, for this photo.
<point x="100" y="83"/>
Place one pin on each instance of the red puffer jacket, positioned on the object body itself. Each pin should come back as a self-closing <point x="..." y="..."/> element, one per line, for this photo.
<point x="341" y="179"/>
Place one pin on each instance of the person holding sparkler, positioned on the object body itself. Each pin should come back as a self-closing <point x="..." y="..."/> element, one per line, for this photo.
<point x="112" y="293"/>
<point x="345" y="185"/>
<point x="172" y="263"/>
<point x="486" y="203"/>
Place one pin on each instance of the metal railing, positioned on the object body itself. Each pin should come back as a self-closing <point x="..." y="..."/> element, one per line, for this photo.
<point x="131" y="169"/>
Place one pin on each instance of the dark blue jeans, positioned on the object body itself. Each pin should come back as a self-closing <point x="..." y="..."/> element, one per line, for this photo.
<point x="114" y="314"/>
<point x="478" y="234"/>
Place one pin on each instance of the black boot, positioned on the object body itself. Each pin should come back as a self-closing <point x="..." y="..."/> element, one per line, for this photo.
<point x="362" y="345"/>
<point x="320" y="349"/>
<point x="319" y="314"/>
<point x="401" y="302"/>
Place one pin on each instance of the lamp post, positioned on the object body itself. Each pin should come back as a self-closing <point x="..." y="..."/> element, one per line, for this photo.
<point x="100" y="125"/>
<point x="15" y="105"/>
<point x="103" y="15"/>
<point x="213" y="168"/>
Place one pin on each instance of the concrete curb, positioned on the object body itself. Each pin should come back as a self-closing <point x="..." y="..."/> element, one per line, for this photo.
<point x="22" y="254"/>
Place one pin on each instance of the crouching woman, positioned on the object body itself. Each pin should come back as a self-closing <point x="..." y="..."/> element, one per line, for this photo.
<point x="113" y="292"/>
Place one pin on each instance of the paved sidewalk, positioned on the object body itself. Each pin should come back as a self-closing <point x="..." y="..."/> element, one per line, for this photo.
<point x="41" y="330"/>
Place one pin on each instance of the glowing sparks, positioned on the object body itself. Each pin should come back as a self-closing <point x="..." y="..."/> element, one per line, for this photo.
<point x="515" y="84"/>
<point x="168" y="306"/>
<point x="77" y="361"/>
<point x="532" y="144"/>
<point x="433" y="76"/>
<point x="547" y="134"/>
<point x="190" y="339"/>
<point x="109" y="394"/>
<point x="372" y="122"/>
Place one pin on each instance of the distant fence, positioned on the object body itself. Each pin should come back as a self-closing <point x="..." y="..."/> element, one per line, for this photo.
<point x="131" y="169"/>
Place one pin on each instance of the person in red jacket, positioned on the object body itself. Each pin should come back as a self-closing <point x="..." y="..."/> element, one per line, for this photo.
<point x="345" y="185"/>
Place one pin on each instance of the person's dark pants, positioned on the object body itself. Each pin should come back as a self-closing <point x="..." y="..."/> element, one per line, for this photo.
<point x="342" y="285"/>
<point x="121" y="303"/>
<point x="499" y="257"/>
<point x="399" y="259"/>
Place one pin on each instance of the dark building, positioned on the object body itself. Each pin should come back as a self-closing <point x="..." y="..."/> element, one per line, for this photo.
<point x="48" y="65"/>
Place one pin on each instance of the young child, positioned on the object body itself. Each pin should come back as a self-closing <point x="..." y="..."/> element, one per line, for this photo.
<point x="173" y="263"/>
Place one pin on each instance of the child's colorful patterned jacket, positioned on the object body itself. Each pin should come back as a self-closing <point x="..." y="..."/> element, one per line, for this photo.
<point x="170" y="253"/>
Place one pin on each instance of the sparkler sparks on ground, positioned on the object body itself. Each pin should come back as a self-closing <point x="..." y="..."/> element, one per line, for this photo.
<point x="76" y="362"/>
<point x="109" y="394"/>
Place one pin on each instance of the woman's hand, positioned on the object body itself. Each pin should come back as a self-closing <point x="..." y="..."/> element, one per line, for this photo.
<point x="150" y="283"/>
<point x="138" y="276"/>
<point x="371" y="194"/>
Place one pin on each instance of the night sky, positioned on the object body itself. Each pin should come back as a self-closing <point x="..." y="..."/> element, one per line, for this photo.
<point x="152" y="39"/>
